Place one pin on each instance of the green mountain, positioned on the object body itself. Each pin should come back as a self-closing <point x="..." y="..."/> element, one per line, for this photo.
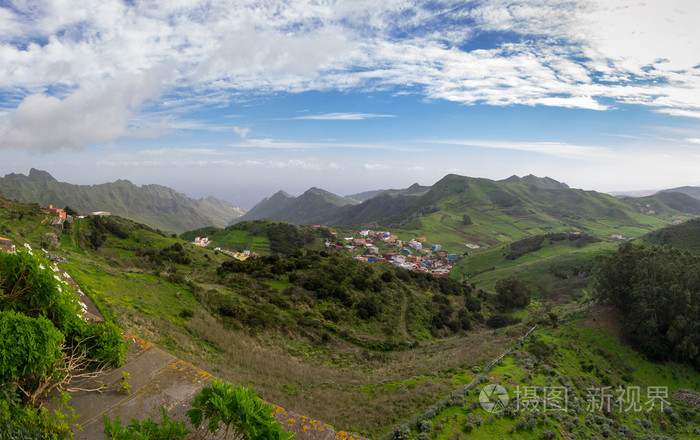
<point x="459" y="209"/>
<point x="158" y="206"/>
<point x="665" y="202"/>
<point x="312" y="207"/>
<point x="692" y="191"/>
<point x="682" y="236"/>
<point x="413" y="190"/>
<point x="367" y="346"/>
<point x="263" y="237"/>
<point x="539" y="182"/>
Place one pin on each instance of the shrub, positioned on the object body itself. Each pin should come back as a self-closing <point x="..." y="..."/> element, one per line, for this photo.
<point x="237" y="408"/>
<point x="512" y="292"/>
<point x="147" y="429"/>
<point x="29" y="347"/>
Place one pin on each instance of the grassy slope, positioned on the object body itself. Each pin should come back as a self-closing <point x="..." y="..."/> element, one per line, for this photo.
<point x="325" y="379"/>
<point x="683" y="236"/>
<point x="585" y="353"/>
<point x="335" y="381"/>
<point x="155" y="205"/>
<point x="501" y="213"/>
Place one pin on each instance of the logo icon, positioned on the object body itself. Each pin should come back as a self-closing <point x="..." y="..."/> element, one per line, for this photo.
<point x="493" y="398"/>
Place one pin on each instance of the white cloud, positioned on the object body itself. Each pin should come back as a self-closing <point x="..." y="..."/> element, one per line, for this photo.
<point x="241" y="131"/>
<point x="680" y="112"/>
<point x="558" y="149"/>
<point x="98" y="112"/>
<point x="376" y="166"/>
<point x="560" y="53"/>
<point x="344" y="116"/>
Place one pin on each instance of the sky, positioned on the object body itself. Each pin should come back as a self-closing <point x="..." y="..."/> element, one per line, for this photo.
<point x="239" y="99"/>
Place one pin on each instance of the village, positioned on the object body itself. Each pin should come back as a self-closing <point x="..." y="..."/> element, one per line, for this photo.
<point x="383" y="247"/>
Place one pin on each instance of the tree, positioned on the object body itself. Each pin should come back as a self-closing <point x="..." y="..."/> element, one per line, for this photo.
<point x="512" y="293"/>
<point x="466" y="220"/>
<point x="70" y="211"/>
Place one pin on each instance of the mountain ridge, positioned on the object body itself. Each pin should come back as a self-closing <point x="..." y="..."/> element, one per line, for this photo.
<point x="156" y="205"/>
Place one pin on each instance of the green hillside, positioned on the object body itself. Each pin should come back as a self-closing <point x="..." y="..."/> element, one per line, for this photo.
<point x="693" y="191"/>
<point x="500" y="212"/>
<point x="263" y="237"/>
<point x="155" y="205"/>
<point x="312" y="207"/>
<point x="368" y="346"/>
<point x="683" y="236"/>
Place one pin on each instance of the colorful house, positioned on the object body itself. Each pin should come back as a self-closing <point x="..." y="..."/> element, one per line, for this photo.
<point x="6" y="245"/>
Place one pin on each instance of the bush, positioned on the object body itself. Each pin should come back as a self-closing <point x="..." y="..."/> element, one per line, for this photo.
<point x="147" y="429"/>
<point x="237" y="408"/>
<point x="29" y="347"/>
<point x="512" y="293"/>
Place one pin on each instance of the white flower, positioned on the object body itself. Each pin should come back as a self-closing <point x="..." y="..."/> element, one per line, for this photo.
<point x="41" y="266"/>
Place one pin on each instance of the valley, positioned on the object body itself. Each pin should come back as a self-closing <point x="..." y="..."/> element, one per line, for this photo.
<point x="380" y="350"/>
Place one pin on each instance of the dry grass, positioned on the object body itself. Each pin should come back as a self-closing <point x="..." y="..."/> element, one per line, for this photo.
<point x="333" y="394"/>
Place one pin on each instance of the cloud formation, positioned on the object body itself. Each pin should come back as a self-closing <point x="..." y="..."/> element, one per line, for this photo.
<point x="76" y="73"/>
<point x="97" y="112"/>
<point x="343" y="116"/>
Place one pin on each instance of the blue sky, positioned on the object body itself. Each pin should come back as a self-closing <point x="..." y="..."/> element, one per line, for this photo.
<point x="239" y="99"/>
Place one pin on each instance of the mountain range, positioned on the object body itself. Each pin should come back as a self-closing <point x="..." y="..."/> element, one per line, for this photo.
<point x="155" y="205"/>
<point x="518" y="201"/>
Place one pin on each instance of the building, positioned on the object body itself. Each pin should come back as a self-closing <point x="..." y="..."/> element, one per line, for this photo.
<point x="101" y="213"/>
<point x="201" y="241"/>
<point x="415" y="245"/>
<point x="6" y="245"/>
<point x="58" y="212"/>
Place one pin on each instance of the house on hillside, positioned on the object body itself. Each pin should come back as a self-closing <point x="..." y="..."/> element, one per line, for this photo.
<point x="201" y="241"/>
<point x="58" y="212"/>
<point x="415" y="245"/>
<point x="101" y="213"/>
<point x="6" y="245"/>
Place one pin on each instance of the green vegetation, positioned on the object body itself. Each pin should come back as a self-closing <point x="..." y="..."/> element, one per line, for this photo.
<point x="512" y="293"/>
<point x="239" y="410"/>
<point x="577" y="382"/>
<point x="684" y="236"/>
<point x="158" y="206"/>
<point x="44" y="341"/>
<point x="658" y="292"/>
<point x="146" y="429"/>
<point x="264" y="237"/>
<point x="369" y="346"/>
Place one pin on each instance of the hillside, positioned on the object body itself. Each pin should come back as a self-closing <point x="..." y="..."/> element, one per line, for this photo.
<point x="458" y="210"/>
<point x="692" y="191"/>
<point x="155" y="205"/>
<point x="366" y="346"/>
<point x="262" y="237"/>
<point x="683" y="236"/>
<point x="665" y="201"/>
<point x="312" y="207"/>
<point x="413" y="190"/>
